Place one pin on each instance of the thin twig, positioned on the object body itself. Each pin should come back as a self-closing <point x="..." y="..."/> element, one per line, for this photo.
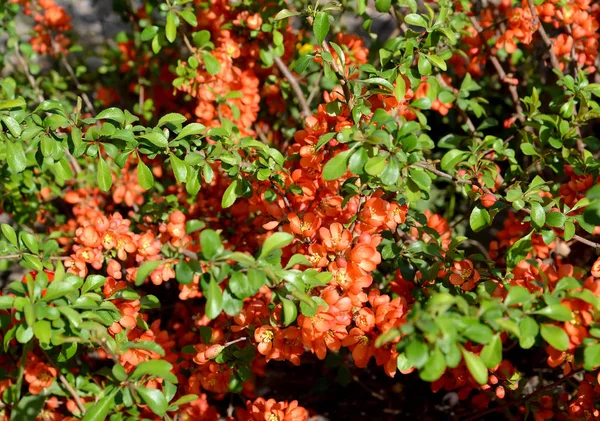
<point x="19" y="256"/>
<point x="284" y="197"/>
<point x="315" y="90"/>
<point x="343" y="80"/>
<point x="67" y="65"/>
<point x="556" y="65"/>
<point x="38" y="93"/>
<point x="501" y="73"/>
<point x="462" y="112"/>
<point x="40" y="98"/>
<point x="544" y="35"/>
<point x="226" y="344"/>
<point x="295" y="86"/>
<point x="476" y="183"/>
<point x="66" y="384"/>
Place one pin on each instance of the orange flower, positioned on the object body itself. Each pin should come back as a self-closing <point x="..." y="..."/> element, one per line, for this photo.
<point x="335" y="238"/>
<point x="39" y="376"/>
<point x="361" y="346"/>
<point x="307" y="226"/>
<point x="464" y="274"/>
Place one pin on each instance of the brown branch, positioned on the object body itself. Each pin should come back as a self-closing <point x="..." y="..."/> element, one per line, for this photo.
<point x="67" y="65"/>
<point x="340" y="71"/>
<point x="38" y="93"/>
<point x="555" y="64"/>
<point x="544" y="35"/>
<point x="476" y="183"/>
<point x="501" y="73"/>
<point x="40" y="98"/>
<point x="66" y="384"/>
<point x="462" y="112"/>
<point x="18" y="256"/>
<point x="295" y="86"/>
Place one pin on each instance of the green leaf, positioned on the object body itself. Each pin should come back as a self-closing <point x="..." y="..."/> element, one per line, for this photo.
<point x="191" y="129"/>
<point x="13" y="103"/>
<point x="12" y="125"/>
<point x="155" y="399"/>
<point x="336" y="166"/>
<point x="556" y="312"/>
<point x="230" y="195"/>
<point x="42" y="331"/>
<point x="321" y="26"/>
<point x="149" y="32"/>
<point x="438" y="62"/>
<point x="417" y="353"/>
<point x="275" y="241"/>
<point x="156" y="138"/>
<point x="145" y="177"/>
<point x="434" y="368"/>
<point x="517" y="295"/>
<point x="451" y="158"/>
<point x="424" y="66"/>
<point x="119" y="372"/>
<point x="555" y="336"/>
<point x="156" y="368"/>
<point x="256" y="279"/>
<point x="379" y="81"/>
<point x="302" y="63"/>
<point x="491" y="354"/>
<point x="529" y="329"/>
<point x="29" y="407"/>
<point x="290" y="311"/>
<point x="415" y="20"/>
<point x="591" y="357"/>
<point x="476" y="367"/>
<point x="145" y="345"/>
<point x="210" y="243"/>
<point x="518" y="251"/>
<point x="171" y="27"/>
<point x="184" y="272"/>
<point x="211" y="64"/>
<point x="479" y="333"/>
<point x="214" y="300"/>
<point x="145" y="270"/>
<point x="180" y="168"/>
<point x="58" y="289"/>
<point x="189" y="17"/>
<point x="104" y="176"/>
<point x="239" y="285"/>
<point x="15" y="156"/>
<point x="100" y="410"/>
<point x="93" y="282"/>
<point x="479" y="219"/>
<point x="6" y="302"/>
<point x="391" y="173"/>
<point x="285" y="13"/>
<point x="556" y="219"/>
<point x="10" y="234"/>
<point x="375" y="165"/>
<point x="172" y="118"/>
<point x="113" y="114"/>
<point x="538" y="215"/>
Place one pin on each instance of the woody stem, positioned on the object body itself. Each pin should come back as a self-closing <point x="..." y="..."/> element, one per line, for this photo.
<point x="447" y="176"/>
<point x="295" y="86"/>
<point x="66" y="384"/>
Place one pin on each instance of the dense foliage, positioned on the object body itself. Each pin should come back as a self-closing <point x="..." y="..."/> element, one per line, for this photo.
<point x="236" y="186"/>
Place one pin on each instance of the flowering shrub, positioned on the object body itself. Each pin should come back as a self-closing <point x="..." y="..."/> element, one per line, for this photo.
<point x="244" y="187"/>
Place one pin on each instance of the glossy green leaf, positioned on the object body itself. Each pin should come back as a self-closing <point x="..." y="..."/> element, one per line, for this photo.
<point x="476" y="367"/>
<point x="555" y="336"/>
<point x="321" y="26"/>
